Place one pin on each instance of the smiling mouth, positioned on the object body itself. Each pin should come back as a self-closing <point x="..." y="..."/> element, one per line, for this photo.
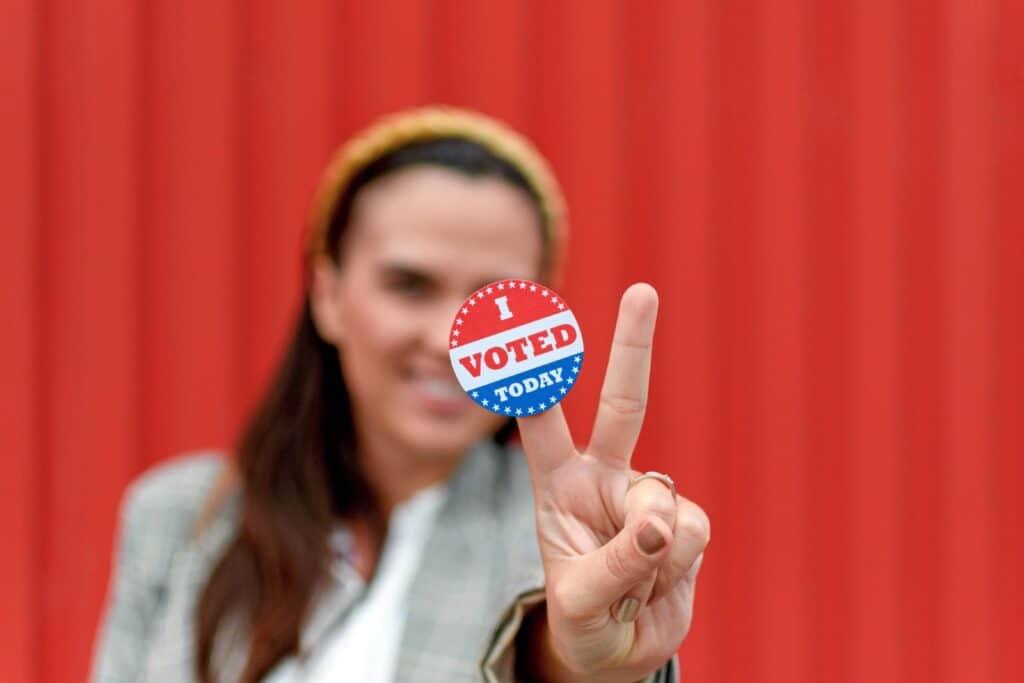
<point x="441" y="389"/>
<point x="440" y="396"/>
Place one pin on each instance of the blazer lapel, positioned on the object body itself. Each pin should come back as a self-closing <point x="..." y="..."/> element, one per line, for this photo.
<point x="442" y="637"/>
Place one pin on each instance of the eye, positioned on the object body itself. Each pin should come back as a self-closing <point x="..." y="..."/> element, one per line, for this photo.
<point x="406" y="282"/>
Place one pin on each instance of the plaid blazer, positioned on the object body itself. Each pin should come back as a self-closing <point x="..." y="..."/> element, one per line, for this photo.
<point x="479" y="573"/>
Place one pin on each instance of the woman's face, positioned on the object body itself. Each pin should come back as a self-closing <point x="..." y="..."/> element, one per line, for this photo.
<point x="419" y="241"/>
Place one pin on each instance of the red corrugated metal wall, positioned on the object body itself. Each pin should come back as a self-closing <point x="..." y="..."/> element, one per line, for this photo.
<point x="826" y="194"/>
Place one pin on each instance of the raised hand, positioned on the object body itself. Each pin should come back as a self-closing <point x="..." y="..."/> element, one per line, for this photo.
<point x="620" y="562"/>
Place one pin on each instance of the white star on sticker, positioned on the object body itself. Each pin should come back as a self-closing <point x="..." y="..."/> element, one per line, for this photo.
<point x="561" y="306"/>
<point x="454" y="343"/>
<point x="562" y="390"/>
<point x="554" y="300"/>
<point x="465" y="311"/>
<point x="489" y="290"/>
<point x="508" y="410"/>
<point x="475" y="394"/>
<point x="569" y="380"/>
<point x="533" y="288"/>
<point x="544" y="293"/>
<point x="484" y="401"/>
<point x="530" y="410"/>
<point x="518" y="411"/>
<point x="576" y="359"/>
<point x="480" y="295"/>
<point x="501" y="286"/>
<point x="455" y="332"/>
<point x="576" y="370"/>
<point x="458" y="321"/>
<point x="472" y="302"/>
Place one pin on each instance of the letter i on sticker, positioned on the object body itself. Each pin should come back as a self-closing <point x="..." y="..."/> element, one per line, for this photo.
<point x="516" y="348"/>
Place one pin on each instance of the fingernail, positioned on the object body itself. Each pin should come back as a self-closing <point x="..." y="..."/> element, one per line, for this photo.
<point x="628" y="610"/>
<point x="650" y="539"/>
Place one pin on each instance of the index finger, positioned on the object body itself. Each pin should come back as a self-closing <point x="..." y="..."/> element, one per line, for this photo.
<point x="546" y="439"/>
<point x="620" y="413"/>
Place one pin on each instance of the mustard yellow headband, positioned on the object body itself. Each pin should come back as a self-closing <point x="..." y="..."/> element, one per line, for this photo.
<point x="430" y="123"/>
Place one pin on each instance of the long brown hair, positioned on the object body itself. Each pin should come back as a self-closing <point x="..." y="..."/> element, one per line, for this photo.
<point x="297" y="462"/>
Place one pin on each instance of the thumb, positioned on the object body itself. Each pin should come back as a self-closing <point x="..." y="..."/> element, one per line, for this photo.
<point x="613" y="570"/>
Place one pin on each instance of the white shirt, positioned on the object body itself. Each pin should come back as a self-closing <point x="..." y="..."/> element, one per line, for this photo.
<point x="364" y="646"/>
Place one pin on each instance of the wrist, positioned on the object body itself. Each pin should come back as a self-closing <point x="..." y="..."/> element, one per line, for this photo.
<point x="537" y="659"/>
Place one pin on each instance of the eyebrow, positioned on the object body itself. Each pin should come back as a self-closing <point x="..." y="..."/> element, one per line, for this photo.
<point x="401" y="267"/>
<point x="405" y="270"/>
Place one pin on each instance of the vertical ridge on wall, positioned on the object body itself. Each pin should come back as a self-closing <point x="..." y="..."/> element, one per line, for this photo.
<point x="827" y="120"/>
<point x="89" y="339"/>
<point x="780" y="318"/>
<point x="545" y="108"/>
<point x="287" y="137"/>
<point x="20" y="271"/>
<point x="191" y="268"/>
<point x="878" y="162"/>
<point x="970" y="548"/>
<point x="736" y="376"/>
<point x="924" y="409"/>
<point x="1007" y="286"/>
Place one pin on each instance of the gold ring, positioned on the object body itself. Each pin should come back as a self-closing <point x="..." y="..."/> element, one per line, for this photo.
<point x="663" y="478"/>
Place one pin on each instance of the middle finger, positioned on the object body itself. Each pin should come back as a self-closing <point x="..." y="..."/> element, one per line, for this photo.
<point x="620" y="412"/>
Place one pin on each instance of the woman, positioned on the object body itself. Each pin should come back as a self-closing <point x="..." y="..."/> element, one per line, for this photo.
<point x="376" y="524"/>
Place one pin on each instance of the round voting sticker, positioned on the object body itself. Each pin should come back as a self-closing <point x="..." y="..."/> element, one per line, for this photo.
<point x="516" y="347"/>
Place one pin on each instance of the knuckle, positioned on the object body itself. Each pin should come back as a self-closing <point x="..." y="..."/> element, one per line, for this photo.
<point x="626" y="406"/>
<point x="694" y="528"/>
<point x="662" y="505"/>
<point x="655" y="499"/>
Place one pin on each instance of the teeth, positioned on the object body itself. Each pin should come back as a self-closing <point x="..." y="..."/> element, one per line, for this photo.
<point x="441" y="388"/>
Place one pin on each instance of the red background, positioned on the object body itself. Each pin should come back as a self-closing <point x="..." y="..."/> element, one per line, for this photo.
<point x="826" y="194"/>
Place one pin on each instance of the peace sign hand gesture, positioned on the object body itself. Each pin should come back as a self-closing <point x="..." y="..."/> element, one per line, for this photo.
<point x="620" y="563"/>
